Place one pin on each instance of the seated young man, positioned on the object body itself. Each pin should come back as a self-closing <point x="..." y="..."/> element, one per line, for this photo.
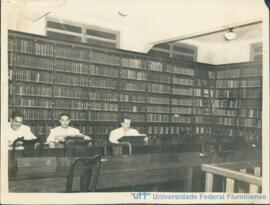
<point x="17" y="129"/>
<point x="58" y="134"/>
<point x="124" y="130"/>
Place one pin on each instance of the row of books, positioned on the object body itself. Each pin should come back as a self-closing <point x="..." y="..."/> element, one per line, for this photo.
<point x="103" y="106"/>
<point x="183" y="71"/>
<point x="229" y="73"/>
<point x="98" y="83"/>
<point x="124" y="97"/>
<point x="11" y="42"/>
<point x="199" y="111"/>
<point x="251" y="83"/>
<point x="249" y="132"/>
<point x="104" y="70"/>
<point x="211" y="74"/>
<point x="181" y="110"/>
<point x="238" y="73"/>
<point x="182" y="91"/>
<point x="238" y="83"/>
<point x="132" y="108"/>
<point x="200" y="130"/>
<point x="70" y="92"/>
<point x="133" y="86"/>
<point x="31" y="103"/>
<point x="225" y="131"/>
<point x="71" y="104"/>
<point x="158" y="130"/>
<point x="186" y="102"/>
<point x="158" y="100"/>
<point x="158" y="109"/>
<point x="181" y="118"/>
<point x="102" y="116"/>
<point x="251" y="103"/>
<point x="33" y="76"/>
<point x="251" y="93"/>
<point x="158" y="88"/>
<point x="246" y="122"/>
<point x="158" y="118"/>
<point x="36" y="114"/>
<point x="155" y="66"/>
<point x="251" y="72"/>
<point x="232" y="121"/>
<point x="182" y="81"/>
<point x="226" y="103"/>
<point x="29" y="46"/>
<point x="200" y="119"/>
<point x="75" y="115"/>
<point x="229" y="113"/>
<point x="252" y="113"/>
<point x="131" y="74"/>
<point x="228" y="93"/>
<point x="70" y="52"/>
<point x="65" y="79"/>
<point x="157" y="77"/>
<point x="33" y="62"/>
<point x="104" y="58"/>
<point x="30" y="90"/>
<point x="228" y="84"/>
<point x="244" y="93"/>
<point x="198" y="92"/>
<point x="136" y="117"/>
<point x="105" y="95"/>
<point x="132" y="62"/>
<point x="82" y="54"/>
<point x="71" y="66"/>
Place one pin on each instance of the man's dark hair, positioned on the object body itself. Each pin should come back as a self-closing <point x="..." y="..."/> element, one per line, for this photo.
<point x="16" y="114"/>
<point x="125" y="118"/>
<point x="64" y="114"/>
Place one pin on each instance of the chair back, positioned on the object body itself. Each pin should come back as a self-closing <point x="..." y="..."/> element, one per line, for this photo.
<point x="76" y="145"/>
<point x="89" y="167"/>
<point x="29" y="147"/>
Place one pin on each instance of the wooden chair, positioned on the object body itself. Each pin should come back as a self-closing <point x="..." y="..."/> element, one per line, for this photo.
<point x="28" y="145"/>
<point x="76" y="145"/>
<point x="90" y="167"/>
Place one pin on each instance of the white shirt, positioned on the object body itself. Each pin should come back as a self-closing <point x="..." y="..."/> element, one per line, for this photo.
<point x="61" y="131"/>
<point x="118" y="133"/>
<point x="23" y="131"/>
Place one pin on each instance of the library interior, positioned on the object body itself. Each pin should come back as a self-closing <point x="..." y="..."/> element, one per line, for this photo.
<point x="119" y="98"/>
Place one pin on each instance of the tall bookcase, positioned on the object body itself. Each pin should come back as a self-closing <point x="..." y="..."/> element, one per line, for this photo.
<point x="238" y="103"/>
<point x="180" y="102"/>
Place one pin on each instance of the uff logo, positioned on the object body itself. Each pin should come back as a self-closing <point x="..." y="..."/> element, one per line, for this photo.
<point x="141" y="194"/>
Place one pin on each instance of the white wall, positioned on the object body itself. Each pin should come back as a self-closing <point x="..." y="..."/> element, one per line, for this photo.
<point x="234" y="51"/>
<point x="138" y="32"/>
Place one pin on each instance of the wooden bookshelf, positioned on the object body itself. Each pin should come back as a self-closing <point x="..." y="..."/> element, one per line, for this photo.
<point x="167" y="98"/>
<point x="238" y="104"/>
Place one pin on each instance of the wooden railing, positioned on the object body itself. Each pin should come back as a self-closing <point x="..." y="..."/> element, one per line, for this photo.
<point x="236" y="177"/>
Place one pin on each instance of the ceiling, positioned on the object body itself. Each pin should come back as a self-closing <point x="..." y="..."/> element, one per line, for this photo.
<point x="243" y="33"/>
<point x="145" y="22"/>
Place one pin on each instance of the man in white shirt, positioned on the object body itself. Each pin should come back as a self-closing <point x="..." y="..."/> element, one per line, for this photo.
<point x="17" y="129"/>
<point x="125" y="130"/>
<point x="58" y="134"/>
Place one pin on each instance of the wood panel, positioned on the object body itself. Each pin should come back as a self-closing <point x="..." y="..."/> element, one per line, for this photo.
<point x="116" y="171"/>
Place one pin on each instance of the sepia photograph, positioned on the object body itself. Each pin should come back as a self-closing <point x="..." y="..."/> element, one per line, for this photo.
<point x="126" y="102"/>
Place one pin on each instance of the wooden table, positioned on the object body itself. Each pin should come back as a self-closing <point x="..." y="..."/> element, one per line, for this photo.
<point x="49" y="174"/>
